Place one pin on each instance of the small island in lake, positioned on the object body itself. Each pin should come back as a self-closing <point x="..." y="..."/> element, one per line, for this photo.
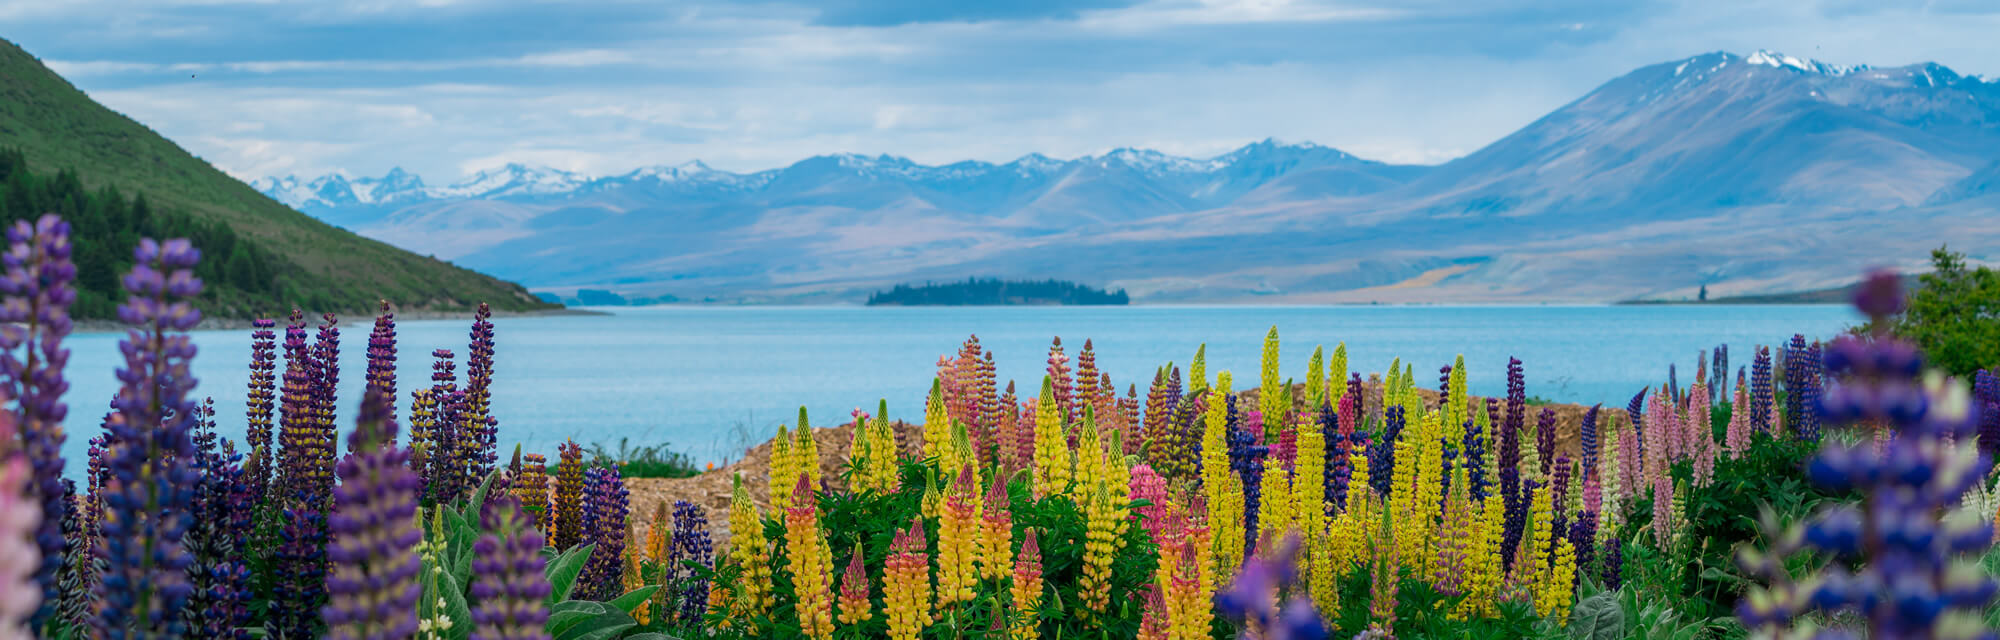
<point x="993" y="291"/>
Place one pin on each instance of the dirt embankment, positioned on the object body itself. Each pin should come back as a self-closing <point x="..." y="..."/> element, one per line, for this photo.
<point x="711" y="490"/>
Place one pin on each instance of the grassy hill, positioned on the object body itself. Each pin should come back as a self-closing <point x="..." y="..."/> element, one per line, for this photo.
<point x="63" y="135"/>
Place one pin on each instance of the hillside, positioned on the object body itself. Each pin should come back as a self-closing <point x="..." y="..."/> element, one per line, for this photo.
<point x="991" y="291"/>
<point x="57" y="128"/>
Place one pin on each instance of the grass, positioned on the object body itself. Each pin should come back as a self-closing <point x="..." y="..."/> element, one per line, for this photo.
<point x="653" y="461"/>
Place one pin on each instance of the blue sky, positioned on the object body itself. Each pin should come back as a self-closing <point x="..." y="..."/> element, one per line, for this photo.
<point x="447" y="87"/>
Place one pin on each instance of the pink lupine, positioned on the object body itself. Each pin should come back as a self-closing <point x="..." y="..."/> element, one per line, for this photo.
<point x="1147" y="485"/>
<point x="19" y="557"/>
<point x="1700" y="435"/>
<point x="1737" y="438"/>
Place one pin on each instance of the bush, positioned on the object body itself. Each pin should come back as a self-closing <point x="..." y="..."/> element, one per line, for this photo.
<point x="1955" y="315"/>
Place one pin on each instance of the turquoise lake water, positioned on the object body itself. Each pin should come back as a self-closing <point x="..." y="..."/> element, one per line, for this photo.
<point x="708" y="379"/>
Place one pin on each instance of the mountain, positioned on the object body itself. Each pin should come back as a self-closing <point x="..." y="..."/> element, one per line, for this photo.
<point x="70" y="144"/>
<point x="1748" y="174"/>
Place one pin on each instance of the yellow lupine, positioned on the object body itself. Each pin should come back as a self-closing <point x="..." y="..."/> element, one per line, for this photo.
<point x="937" y="423"/>
<point x="906" y="583"/>
<point x="1103" y="518"/>
<point x="783" y="469"/>
<point x="1052" y="456"/>
<point x="1484" y="565"/>
<point x="1455" y="400"/>
<point x="1336" y="375"/>
<point x="1198" y="370"/>
<point x="996" y="533"/>
<point x="1090" y="462"/>
<point x="1221" y="486"/>
<point x="1026" y="590"/>
<point x="1316" y="380"/>
<point x="854" y="605"/>
<point x="1610" y="490"/>
<point x="805" y="454"/>
<point x="958" y="541"/>
<point x="963" y="456"/>
<point x="1556" y="592"/>
<point x="879" y="473"/>
<point x="810" y="563"/>
<point x="1269" y="398"/>
<point x="1275" y="512"/>
<point x="1430" y="491"/>
<point x="1309" y="480"/>
<point x="1532" y="561"/>
<point x="751" y="552"/>
<point x="1324" y="572"/>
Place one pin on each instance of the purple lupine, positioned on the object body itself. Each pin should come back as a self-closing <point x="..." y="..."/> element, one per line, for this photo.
<point x="1382" y="452"/>
<point x="299" y="565"/>
<point x="1673" y="385"/>
<point x="1511" y="490"/>
<point x="1802" y="382"/>
<point x="1614" y="564"/>
<point x="260" y="407"/>
<point x="443" y="479"/>
<point x="1559" y="497"/>
<point x="481" y="441"/>
<point x="1986" y="393"/>
<point x="372" y="587"/>
<point x="508" y="587"/>
<point x="1587" y="436"/>
<point x="1583" y="538"/>
<point x="38" y="296"/>
<point x="691" y="545"/>
<point x="1475" y="461"/>
<point x="326" y="385"/>
<point x="603" y="525"/>
<point x="1337" y="470"/>
<point x="381" y="374"/>
<point x="1350" y="419"/>
<point x="219" y="577"/>
<point x="1913" y="578"/>
<point x="80" y="578"/>
<point x="1252" y="597"/>
<point x="152" y="478"/>
<point x="1760" y="391"/>
<point x="1636" y="412"/>
<point x="1246" y="458"/>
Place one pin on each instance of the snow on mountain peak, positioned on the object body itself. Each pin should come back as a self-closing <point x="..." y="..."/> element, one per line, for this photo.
<point x="1770" y="58"/>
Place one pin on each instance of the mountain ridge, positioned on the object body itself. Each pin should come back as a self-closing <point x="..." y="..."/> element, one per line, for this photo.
<point x="1746" y="173"/>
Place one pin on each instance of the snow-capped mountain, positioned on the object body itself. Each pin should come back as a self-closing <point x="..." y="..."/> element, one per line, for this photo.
<point x="1745" y="173"/>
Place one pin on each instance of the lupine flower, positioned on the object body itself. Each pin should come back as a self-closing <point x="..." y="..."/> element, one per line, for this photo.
<point x="996" y="532"/>
<point x="1454" y="547"/>
<point x="1510" y="471"/>
<point x="1614" y="564"/>
<point x="1700" y="434"/>
<point x="854" y="606"/>
<point x="373" y="586"/>
<point x="1128" y="416"/>
<point x="1558" y="587"/>
<point x="1545" y="441"/>
<point x="1719" y="371"/>
<point x="691" y="545"/>
<point x="1582" y="538"/>
<point x="260" y="407"/>
<point x="1760" y="391"/>
<point x="20" y="518"/>
<point x="152" y="479"/>
<point x="1052" y="467"/>
<point x="219" y="577"/>
<point x="481" y="429"/>
<point x="810" y="563"/>
<point x="382" y="357"/>
<point x="1921" y="577"/>
<point x="79" y="581"/>
<point x="1087" y="389"/>
<point x="1335" y="467"/>
<point x="1252" y="598"/>
<point x="1382" y="452"/>
<point x="325" y="386"/>
<point x="906" y="582"/>
<point x="1246" y="462"/>
<point x="604" y="523"/>
<point x="751" y="553"/>
<point x="508" y="587"/>
<point x="299" y="589"/>
<point x="1059" y="378"/>
<point x="1103" y="517"/>
<point x="1802" y="389"/>
<point x="569" y="497"/>
<point x="37" y="286"/>
<point x="985" y="385"/>
<point x="531" y="488"/>
<point x="1147" y="485"/>
<point x="1986" y="396"/>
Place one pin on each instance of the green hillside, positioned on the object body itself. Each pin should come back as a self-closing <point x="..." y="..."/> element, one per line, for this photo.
<point x="69" y="144"/>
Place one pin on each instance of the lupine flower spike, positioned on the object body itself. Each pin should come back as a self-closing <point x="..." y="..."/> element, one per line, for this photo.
<point x="38" y="291"/>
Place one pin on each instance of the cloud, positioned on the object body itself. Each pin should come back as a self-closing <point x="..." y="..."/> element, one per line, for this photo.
<point x="444" y="87"/>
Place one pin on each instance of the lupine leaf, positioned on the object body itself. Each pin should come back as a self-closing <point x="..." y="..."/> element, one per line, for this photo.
<point x="569" y="613"/>
<point x="631" y="601"/>
<point x="455" y="608"/>
<point x="1597" y="618"/>
<point x="563" y="570"/>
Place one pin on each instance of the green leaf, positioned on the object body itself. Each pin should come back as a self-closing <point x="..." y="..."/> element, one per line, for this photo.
<point x="650" y="635"/>
<point x="589" y="621"/>
<point x="1597" y="618"/>
<point x="474" y="506"/>
<point x="563" y="571"/>
<point x="454" y="607"/>
<point x="460" y="535"/>
<point x="569" y="613"/>
<point x="631" y="601"/>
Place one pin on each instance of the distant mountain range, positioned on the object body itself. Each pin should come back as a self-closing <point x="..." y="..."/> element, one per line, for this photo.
<point x="1749" y="174"/>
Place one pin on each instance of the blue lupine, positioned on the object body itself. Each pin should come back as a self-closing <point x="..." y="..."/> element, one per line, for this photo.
<point x="1246" y="458"/>
<point x="691" y="544"/>
<point x="1760" y="391"/>
<point x="372" y="586"/>
<point x="381" y="374"/>
<point x="1920" y="573"/>
<point x="1588" y="439"/>
<point x="1986" y="393"/>
<point x="38" y="291"/>
<point x="1337" y="470"/>
<point x="260" y="407"/>
<point x="1382" y="452"/>
<point x="508" y="586"/>
<point x="152" y="478"/>
<point x="1475" y="461"/>
<point x="604" y="525"/>
<point x="1512" y="491"/>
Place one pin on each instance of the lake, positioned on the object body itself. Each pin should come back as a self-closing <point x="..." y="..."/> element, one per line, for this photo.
<point x="709" y="380"/>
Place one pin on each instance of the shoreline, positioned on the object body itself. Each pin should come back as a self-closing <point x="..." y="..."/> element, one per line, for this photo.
<point x="242" y="324"/>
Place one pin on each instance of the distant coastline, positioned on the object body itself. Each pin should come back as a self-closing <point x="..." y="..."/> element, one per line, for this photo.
<point x="1834" y="295"/>
<point x="996" y="292"/>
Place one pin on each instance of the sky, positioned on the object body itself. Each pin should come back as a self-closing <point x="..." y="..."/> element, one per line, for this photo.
<point x="444" y="88"/>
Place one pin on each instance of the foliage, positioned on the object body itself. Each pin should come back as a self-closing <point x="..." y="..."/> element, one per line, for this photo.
<point x="1954" y="316"/>
<point x="647" y="461"/>
<point x="993" y="291"/>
